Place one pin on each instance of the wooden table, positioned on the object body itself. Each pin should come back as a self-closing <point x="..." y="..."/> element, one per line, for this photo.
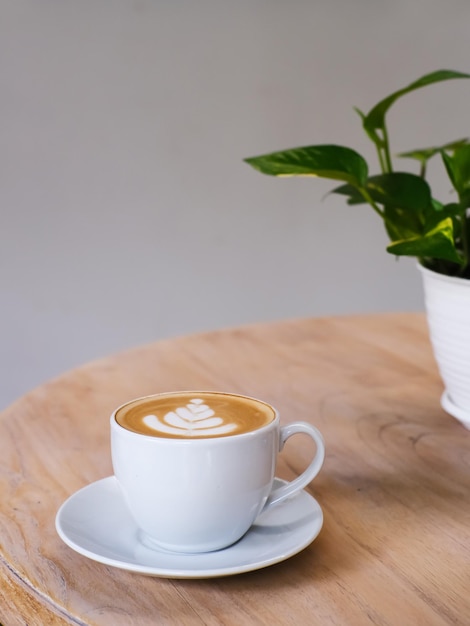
<point x="395" y="486"/>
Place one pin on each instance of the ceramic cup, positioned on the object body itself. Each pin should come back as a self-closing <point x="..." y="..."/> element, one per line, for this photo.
<point x="193" y="478"/>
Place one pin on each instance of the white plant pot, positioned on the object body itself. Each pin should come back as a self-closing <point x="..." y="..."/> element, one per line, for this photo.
<point x="447" y="302"/>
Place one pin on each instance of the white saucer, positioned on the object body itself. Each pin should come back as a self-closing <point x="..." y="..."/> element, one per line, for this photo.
<point x="460" y="414"/>
<point x="96" y="522"/>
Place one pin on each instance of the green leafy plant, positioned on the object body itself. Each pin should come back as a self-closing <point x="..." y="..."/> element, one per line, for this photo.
<point x="418" y="224"/>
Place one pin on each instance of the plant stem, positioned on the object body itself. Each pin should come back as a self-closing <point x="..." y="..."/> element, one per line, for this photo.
<point x="386" y="148"/>
<point x="368" y="199"/>
<point x="381" y="158"/>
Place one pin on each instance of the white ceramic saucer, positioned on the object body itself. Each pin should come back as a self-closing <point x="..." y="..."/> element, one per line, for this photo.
<point x="96" y="522"/>
<point x="462" y="416"/>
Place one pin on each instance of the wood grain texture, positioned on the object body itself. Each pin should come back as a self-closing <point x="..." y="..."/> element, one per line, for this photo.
<point x="394" y="488"/>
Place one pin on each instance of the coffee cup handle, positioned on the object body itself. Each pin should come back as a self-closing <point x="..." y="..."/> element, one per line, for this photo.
<point x="281" y="493"/>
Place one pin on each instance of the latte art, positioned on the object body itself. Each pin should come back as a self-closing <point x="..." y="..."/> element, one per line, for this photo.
<point x="195" y="419"/>
<point x="194" y="415"/>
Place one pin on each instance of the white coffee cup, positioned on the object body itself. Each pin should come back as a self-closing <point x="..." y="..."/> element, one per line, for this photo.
<point x="201" y="490"/>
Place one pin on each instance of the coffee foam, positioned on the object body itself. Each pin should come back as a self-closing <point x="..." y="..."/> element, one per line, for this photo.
<point x="193" y="415"/>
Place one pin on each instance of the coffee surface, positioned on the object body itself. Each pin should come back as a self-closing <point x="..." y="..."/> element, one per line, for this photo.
<point x="189" y="415"/>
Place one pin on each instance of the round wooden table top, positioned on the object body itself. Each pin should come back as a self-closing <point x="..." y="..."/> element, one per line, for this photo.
<point x="394" y="488"/>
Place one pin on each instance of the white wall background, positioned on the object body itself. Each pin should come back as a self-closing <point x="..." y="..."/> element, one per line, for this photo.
<point x="127" y="214"/>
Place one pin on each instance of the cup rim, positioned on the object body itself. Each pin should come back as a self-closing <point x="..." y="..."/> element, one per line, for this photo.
<point x="197" y="440"/>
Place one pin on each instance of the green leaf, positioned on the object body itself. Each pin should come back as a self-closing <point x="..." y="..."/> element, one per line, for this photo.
<point x="436" y="204"/>
<point x="437" y="243"/>
<point x="448" y="164"/>
<point x="402" y="224"/>
<point x="375" y="119"/>
<point x="424" y="154"/>
<point x="326" y="161"/>
<point x="444" y="210"/>
<point x="400" y="189"/>
<point x="353" y="194"/>
<point x="361" y="114"/>
<point x="407" y="224"/>
<point x="451" y="210"/>
<point x="458" y="169"/>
